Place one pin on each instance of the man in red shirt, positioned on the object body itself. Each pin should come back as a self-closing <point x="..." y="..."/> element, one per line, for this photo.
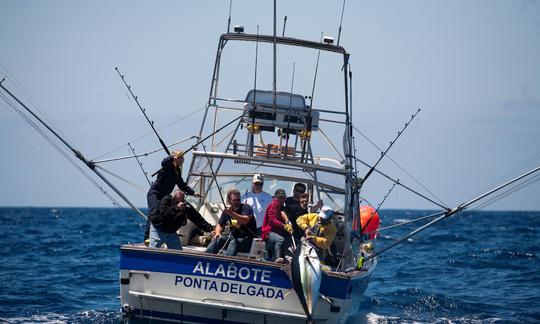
<point x="276" y="229"/>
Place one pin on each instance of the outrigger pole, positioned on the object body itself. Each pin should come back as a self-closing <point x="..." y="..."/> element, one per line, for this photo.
<point x="452" y="212"/>
<point x="143" y="111"/>
<point x="76" y="152"/>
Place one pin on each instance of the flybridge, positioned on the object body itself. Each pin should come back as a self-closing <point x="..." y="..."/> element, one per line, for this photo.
<point x="284" y="41"/>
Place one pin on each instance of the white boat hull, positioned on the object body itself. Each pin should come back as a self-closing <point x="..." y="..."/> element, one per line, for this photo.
<point x="195" y="287"/>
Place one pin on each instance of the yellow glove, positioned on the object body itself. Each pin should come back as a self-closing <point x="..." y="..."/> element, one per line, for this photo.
<point x="288" y="228"/>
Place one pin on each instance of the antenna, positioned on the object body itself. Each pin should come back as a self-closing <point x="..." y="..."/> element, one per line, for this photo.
<point x="229" y="21"/>
<point x="340" y="22"/>
<point x="287" y="133"/>
<point x="252" y="131"/>
<point x="274" y="85"/>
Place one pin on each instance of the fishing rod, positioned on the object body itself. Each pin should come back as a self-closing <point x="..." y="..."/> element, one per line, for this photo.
<point x="386" y="196"/>
<point x="194" y="146"/>
<point x="391" y="144"/>
<point x="213" y="174"/>
<point x="76" y="152"/>
<point x="404" y="186"/>
<point x="453" y="211"/>
<point x="284" y="25"/>
<point x="151" y="123"/>
<point x="140" y="164"/>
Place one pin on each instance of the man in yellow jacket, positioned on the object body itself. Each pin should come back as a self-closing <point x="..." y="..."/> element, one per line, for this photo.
<point x="319" y="229"/>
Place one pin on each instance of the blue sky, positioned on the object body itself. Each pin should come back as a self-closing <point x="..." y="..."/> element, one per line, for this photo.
<point x="473" y="67"/>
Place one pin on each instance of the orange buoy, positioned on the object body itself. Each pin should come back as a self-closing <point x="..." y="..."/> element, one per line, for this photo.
<point x="370" y="221"/>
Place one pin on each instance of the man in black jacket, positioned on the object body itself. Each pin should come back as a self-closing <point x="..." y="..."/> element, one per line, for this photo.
<point x="173" y="214"/>
<point x="168" y="176"/>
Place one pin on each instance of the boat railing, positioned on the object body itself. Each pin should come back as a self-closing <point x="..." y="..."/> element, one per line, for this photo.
<point x="269" y="162"/>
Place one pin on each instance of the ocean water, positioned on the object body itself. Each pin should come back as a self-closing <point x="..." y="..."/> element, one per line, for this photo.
<point x="60" y="265"/>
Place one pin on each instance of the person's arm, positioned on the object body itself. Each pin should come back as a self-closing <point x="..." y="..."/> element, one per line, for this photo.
<point x="325" y="241"/>
<point x="303" y="223"/>
<point x="218" y="231"/>
<point x="274" y="215"/>
<point x="166" y="161"/>
<point x="284" y="217"/>
<point x="242" y="218"/>
<point x="184" y="187"/>
<point x="197" y="219"/>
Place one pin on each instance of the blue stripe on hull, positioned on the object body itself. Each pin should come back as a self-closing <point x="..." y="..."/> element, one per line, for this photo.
<point x="184" y="264"/>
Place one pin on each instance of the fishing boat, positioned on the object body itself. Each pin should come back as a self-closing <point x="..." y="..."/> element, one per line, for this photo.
<point x="277" y="134"/>
<point x="287" y="136"/>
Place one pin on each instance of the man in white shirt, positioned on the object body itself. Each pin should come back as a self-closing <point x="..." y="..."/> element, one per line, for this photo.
<point x="257" y="199"/>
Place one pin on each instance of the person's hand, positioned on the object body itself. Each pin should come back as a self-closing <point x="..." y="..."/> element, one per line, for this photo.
<point x="288" y="228"/>
<point x="181" y="205"/>
<point x="197" y="195"/>
<point x="230" y="212"/>
<point x="307" y="231"/>
<point x="216" y="236"/>
<point x="234" y="223"/>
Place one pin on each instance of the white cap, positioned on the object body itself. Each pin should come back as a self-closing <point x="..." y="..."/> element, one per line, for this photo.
<point x="326" y="212"/>
<point x="258" y="178"/>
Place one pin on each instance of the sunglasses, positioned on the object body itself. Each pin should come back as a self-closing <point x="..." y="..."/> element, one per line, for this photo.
<point x="258" y="183"/>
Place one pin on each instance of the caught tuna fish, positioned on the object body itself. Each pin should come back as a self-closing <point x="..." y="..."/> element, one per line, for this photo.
<point x="306" y="276"/>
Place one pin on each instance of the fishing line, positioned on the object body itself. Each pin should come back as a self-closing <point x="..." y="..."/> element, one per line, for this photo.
<point x="404" y="186"/>
<point x="75" y="152"/>
<point x="508" y="192"/>
<point x="142" y="154"/>
<point x="401" y="168"/>
<point x="59" y="149"/>
<point x="31" y="99"/>
<point x="465" y="205"/>
<point x="150" y="133"/>
<point x="329" y="142"/>
<point x="122" y="179"/>
<point x="407" y="222"/>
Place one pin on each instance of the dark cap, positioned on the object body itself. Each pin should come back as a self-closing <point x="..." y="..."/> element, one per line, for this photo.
<point x="280" y="193"/>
